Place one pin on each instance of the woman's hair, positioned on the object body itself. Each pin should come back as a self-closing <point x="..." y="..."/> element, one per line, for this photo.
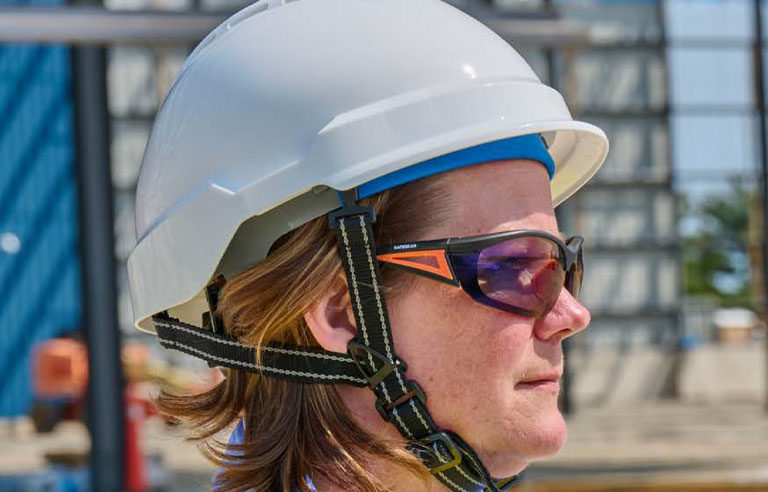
<point x="294" y="430"/>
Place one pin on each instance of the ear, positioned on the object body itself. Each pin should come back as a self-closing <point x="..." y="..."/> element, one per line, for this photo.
<point x="331" y="319"/>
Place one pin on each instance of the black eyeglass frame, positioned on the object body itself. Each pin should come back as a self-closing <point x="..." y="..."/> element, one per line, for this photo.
<point x="464" y="251"/>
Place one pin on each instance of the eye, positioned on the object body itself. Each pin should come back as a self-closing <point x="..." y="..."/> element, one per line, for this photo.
<point x="508" y="263"/>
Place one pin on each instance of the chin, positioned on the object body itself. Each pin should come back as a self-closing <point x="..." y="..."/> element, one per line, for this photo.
<point x="532" y="440"/>
<point x="545" y="437"/>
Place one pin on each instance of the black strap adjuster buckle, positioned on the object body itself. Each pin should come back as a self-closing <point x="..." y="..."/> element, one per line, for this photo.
<point x="350" y="211"/>
<point x="359" y="351"/>
<point x="505" y="484"/>
<point x="444" y="439"/>
<point x="414" y="391"/>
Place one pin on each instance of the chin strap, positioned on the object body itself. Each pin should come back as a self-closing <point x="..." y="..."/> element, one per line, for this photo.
<point x="370" y="361"/>
<point x="399" y="400"/>
<point x="300" y="364"/>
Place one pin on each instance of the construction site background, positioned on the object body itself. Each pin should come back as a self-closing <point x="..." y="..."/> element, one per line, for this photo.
<point x="667" y="390"/>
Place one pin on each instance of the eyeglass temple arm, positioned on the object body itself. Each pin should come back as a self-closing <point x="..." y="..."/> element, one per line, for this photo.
<point x="573" y="246"/>
<point x="428" y="258"/>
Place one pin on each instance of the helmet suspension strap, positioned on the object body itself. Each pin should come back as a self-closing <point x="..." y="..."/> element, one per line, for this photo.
<point x="399" y="400"/>
<point x="370" y="359"/>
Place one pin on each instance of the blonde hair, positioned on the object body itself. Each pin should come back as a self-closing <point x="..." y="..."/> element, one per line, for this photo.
<point x="294" y="430"/>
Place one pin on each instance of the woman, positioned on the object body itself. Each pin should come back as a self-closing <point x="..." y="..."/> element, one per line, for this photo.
<point x="349" y="204"/>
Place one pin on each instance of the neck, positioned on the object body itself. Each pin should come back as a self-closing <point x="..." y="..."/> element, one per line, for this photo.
<point x="360" y="403"/>
<point x="394" y="479"/>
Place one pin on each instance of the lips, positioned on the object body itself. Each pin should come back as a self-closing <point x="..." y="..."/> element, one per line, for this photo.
<point x="547" y="381"/>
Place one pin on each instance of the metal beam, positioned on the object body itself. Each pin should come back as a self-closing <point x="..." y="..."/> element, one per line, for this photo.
<point x="97" y="258"/>
<point x="758" y="52"/>
<point x="95" y="25"/>
<point x="540" y="32"/>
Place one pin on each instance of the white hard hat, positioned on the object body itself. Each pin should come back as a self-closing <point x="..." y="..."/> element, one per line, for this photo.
<point x="288" y="102"/>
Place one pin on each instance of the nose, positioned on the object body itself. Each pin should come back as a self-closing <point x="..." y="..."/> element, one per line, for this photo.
<point x="566" y="318"/>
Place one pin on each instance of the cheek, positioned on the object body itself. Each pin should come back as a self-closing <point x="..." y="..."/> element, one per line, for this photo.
<point x="463" y="354"/>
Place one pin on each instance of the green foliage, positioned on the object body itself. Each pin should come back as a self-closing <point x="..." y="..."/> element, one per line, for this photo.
<point x="715" y="254"/>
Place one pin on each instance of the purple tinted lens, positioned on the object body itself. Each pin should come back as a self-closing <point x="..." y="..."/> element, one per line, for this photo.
<point x="526" y="273"/>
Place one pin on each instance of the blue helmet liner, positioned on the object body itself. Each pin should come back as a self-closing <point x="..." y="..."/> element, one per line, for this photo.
<point x="522" y="147"/>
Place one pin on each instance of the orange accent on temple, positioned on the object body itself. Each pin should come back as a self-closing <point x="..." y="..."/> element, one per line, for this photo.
<point x="417" y="260"/>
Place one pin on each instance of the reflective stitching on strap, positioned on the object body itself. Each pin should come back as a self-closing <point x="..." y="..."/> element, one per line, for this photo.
<point x="452" y="483"/>
<point x="203" y="334"/>
<point x="384" y="326"/>
<point x="397" y="416"/>
<point x="388" y="350"/>
<point x="354" y="288"/>
<point x="306" y="354"/>
<point x="468" y="477"/>
<point x="261" y="368"/>
<point x="359" y="304"/>
<point x="476" y="466"/>
<point x="376" y="289"/>
<point x="378" y="300"/>
<point x="418" y="414"/>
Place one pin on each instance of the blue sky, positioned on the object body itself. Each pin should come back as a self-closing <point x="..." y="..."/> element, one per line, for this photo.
<point x="711" y="92"/>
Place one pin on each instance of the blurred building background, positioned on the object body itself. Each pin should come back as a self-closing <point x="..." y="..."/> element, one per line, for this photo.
<point x="672" y="222"/>
<point x="39" y="260"/>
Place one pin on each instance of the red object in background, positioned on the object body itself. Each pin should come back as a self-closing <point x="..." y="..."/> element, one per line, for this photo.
<point x="135" y="413"/>
<point x="60" y="368"/>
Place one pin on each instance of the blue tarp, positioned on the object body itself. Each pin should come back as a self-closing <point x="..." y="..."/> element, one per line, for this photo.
<point x="39" y="266"/>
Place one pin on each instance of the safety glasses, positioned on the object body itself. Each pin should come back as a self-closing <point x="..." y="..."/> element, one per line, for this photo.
<point x="520" y="271"/>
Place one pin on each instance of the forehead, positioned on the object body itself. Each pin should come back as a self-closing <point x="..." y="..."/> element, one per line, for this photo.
<point x="499" y="196"/>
